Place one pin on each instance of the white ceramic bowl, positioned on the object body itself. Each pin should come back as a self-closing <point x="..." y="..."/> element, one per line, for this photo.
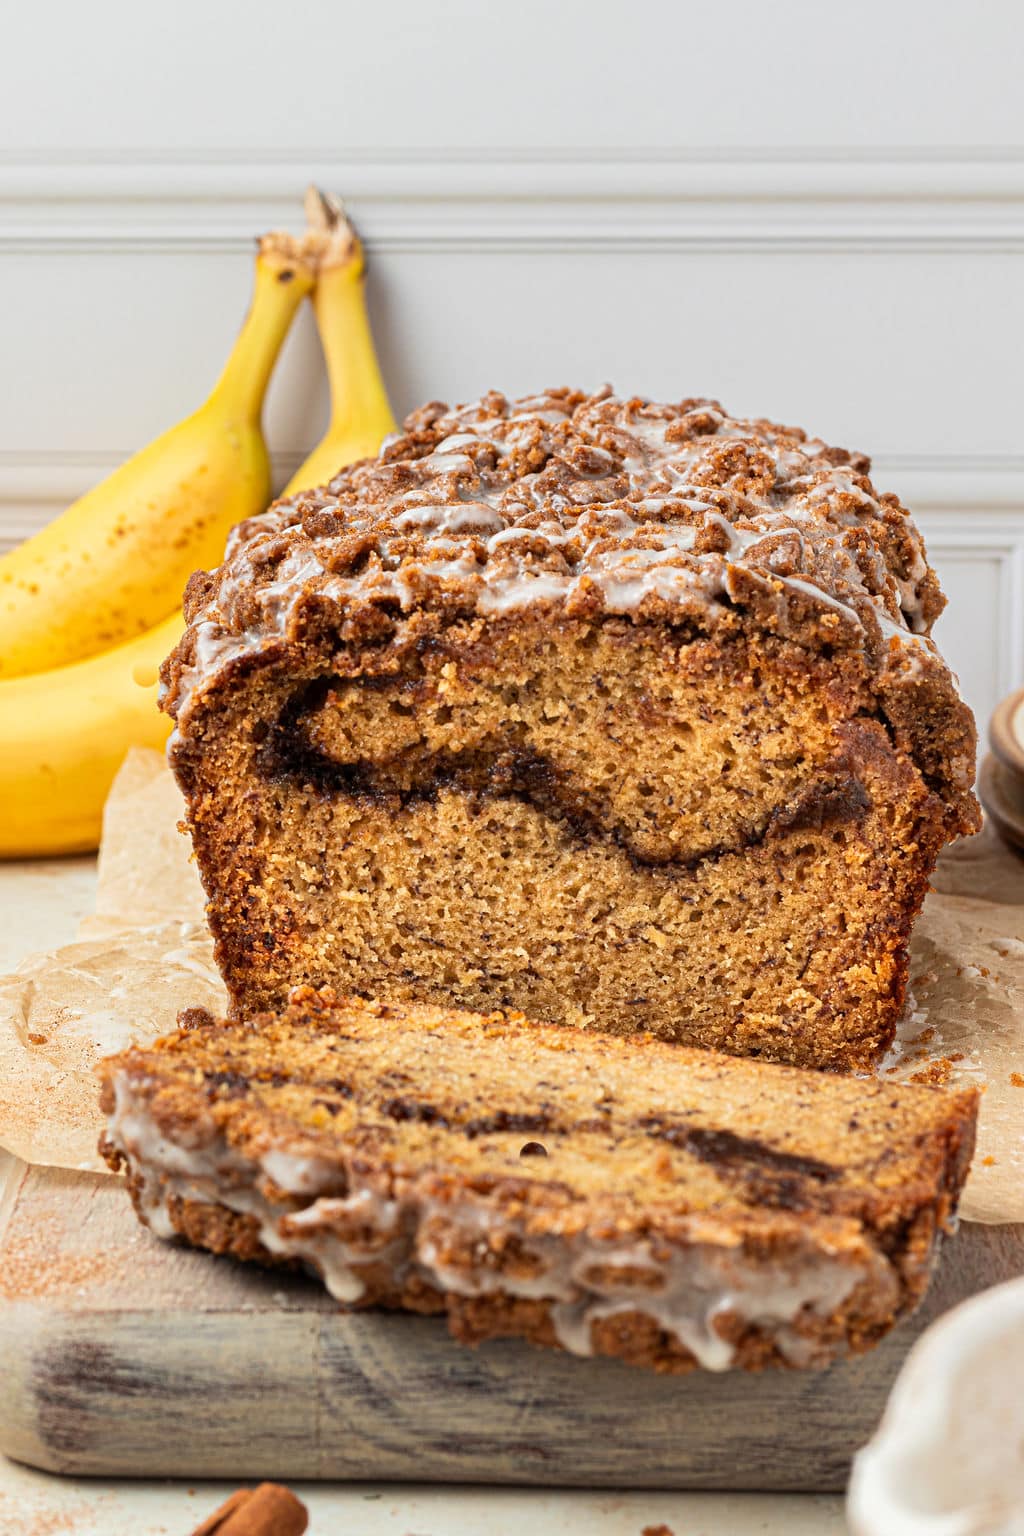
<point x="948" y="1456"/>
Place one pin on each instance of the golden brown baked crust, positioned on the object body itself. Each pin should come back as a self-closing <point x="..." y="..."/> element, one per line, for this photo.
<point x="621" y="1197"/>
<point x="685" y="654"/>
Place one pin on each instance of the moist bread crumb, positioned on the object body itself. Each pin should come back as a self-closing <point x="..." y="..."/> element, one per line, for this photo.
<point x="686" y="1208"/>
<point x="620" y="714"/>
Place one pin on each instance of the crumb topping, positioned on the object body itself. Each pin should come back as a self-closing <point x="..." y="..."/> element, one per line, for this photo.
<point x="587" y="505"/>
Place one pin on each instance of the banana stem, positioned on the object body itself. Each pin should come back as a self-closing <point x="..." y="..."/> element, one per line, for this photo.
<point x="283" y="278"/>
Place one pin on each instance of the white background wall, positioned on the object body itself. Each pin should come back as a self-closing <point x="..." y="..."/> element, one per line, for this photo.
<point x="813" y="211"/>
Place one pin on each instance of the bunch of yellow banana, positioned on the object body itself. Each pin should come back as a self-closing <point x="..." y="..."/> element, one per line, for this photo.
<point x="90" y="606"/>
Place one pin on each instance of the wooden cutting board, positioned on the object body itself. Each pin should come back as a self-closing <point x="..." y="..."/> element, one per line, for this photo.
<point x="122" y="1355"/>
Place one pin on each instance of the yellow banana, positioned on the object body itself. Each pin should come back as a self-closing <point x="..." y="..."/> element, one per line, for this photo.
<point x="360" y="414"/>
<point x="116" y="562"/>
<point x="63" y="735"/>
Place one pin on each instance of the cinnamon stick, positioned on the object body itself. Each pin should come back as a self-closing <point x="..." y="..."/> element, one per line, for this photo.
<point x="269" y="1510"/>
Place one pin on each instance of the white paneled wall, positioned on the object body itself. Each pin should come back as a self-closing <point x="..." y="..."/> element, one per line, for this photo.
<point x="811" y="214"/>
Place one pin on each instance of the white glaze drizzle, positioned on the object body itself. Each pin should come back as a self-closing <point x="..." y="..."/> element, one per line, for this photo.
<point x="688" y="1288"/>
<point x="459" y="520"/>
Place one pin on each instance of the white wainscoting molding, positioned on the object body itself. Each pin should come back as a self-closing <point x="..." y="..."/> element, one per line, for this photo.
<point x="971" y="513"/>
<point x="549" y="200"/>
<point x="987" y="648"/>
<point x="965" y="208"/>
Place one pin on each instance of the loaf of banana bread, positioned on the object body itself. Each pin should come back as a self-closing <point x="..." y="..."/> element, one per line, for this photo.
<point x="624" y="715"/>
<point x="623" y="1197"/>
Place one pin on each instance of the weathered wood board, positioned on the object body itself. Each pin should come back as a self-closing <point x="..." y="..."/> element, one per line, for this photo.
<point x="121" y="1355"/>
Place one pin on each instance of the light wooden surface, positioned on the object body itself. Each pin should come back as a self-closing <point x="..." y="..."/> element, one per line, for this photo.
<point x="32" y="1504"/>
<point x="41" y="904"/>
<point x="127" y="1356"/>
<point x="38" y="1504"/>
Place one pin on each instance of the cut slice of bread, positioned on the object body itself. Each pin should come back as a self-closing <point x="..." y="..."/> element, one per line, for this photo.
<point x="669" y="1206"/>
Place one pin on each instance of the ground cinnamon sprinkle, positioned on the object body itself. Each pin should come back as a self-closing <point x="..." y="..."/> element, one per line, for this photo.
<point x="36" y="1265"/>
<point x="16" y="1520"/>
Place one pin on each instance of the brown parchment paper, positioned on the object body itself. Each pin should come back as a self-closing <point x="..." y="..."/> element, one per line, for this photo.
<point x="146" y="953"/>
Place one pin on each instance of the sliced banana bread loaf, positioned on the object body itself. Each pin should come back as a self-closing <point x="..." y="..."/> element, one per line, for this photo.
<point x="613" y="1196"/>
<point x="621" y="714"/>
